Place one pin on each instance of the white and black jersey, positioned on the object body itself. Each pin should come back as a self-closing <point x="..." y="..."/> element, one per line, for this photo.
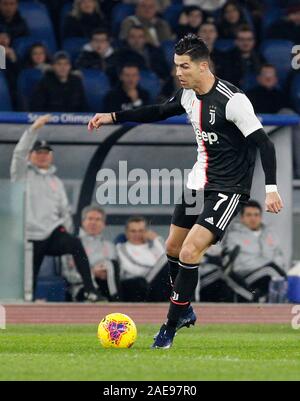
<point x="223" y="120"/>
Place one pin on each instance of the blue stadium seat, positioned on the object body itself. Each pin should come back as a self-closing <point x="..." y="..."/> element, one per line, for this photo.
<point x="39" y="23"/>
<point x="21" y="45"/>
<point x="172" y="13"/>
<point x="120" y="239"/>
<point x="224" y="44"/>
<point x="295" y="92"/>
<point x="64" y="12"/>
<point x="119" y="13"/>
<point x="150" y="82"/>
<point x="27" y="81"/>
<point x="5" y="100"/>
<point x="168" y="49"/>
<point x="279" y="53"/>
<point x="270" y="17"/>
<point x="73" y="46"/>
<point x="96" y="85"/>
<point x="249" y="82"/>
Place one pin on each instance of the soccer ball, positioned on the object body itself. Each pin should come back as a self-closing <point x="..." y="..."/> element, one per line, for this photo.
<point x="117" y="331"/>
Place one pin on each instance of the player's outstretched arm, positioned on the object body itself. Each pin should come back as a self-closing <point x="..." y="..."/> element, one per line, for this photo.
<point x="144" y="114"/>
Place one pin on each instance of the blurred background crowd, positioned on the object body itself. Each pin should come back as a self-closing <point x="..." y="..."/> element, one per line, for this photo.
<point x="98" y="55"/>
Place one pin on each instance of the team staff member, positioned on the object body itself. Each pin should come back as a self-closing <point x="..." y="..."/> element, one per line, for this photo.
<point x="48" y="216"/>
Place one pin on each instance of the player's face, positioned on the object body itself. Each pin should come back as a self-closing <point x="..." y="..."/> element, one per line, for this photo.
<point x="252" y="218"/>
<point x="41" y="158"/>
<point x="135" y="232"/>
<point x="94" y="223"/>
<point x="189" y="72"/>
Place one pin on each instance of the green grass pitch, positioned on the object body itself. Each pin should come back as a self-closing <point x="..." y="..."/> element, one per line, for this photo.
<point x="212" y="352"/>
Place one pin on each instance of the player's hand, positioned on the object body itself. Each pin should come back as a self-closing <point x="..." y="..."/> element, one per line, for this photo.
<point x="273" y="202"/>
<point x="41" y="121"/>
<point x="98" y="120"/>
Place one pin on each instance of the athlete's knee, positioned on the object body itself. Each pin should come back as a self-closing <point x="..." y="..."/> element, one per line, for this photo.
<point x="189" y="254"/>
<point x="172" y="247"/>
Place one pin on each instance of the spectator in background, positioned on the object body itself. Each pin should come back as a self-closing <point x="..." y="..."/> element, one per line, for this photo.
<point x="266" y="97"/>
<point x="102" y="257"/>
<point x="137" y="51"/>
<point x="259" y="256"/>
<point x="59" y="90"/>
<point x="231" y="18"/>
<point x="84" y="19"/>
<point x="48" y="215"/>
<point x="11" y="20"/>
<point x="127" y="94"/>
<point x="288" y="27"/>
<point x="12" y="65"/>
<point x="189" y="21"/>
<point x="161" y="4"/>
<point x="156" y="29"/>
<point x="171" y="86"/>
<point x="243" y="60"/>
<point x="143" y="269"/>
<point x="209" y="33"/>
<point x="206" y="5"/>
<point x="37" y="57"/>
<point x="98" y="53"/>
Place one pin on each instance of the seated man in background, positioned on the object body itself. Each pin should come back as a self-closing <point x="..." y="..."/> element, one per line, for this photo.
<point x="143" y="264"/>
<point x="98" y="53"/>
<point x="266" y="97"/>
<point x="48" y="216"/>
<point x="59" y="90"/>
<point x="127" y="94"/>
<point x="259" y="256"/>
<point x="101" y="253"/>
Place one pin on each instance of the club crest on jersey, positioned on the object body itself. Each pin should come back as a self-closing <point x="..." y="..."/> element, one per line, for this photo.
<point x="212" y="112"/>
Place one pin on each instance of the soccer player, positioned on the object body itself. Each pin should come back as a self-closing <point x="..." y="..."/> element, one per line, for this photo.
<point x="228" y="134"/>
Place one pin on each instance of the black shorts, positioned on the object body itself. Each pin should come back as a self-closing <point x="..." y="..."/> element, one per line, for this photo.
<point x="212" y="210"/>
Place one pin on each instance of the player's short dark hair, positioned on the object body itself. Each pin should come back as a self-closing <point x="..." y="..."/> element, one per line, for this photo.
<point x="193" y="46"/>
<point x="251" y="203"/>
<point x="135" y="219"/>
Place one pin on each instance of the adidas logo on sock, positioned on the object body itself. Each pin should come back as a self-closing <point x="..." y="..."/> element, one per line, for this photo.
<point x="210" y="220"/>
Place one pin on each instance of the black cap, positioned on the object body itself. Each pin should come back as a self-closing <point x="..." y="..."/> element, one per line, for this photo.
<point x="41" y="145"/>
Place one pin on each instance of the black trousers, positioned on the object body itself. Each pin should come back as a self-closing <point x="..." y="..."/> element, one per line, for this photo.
<point x="139" y="290"/>
<point x="61" y="243"/>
